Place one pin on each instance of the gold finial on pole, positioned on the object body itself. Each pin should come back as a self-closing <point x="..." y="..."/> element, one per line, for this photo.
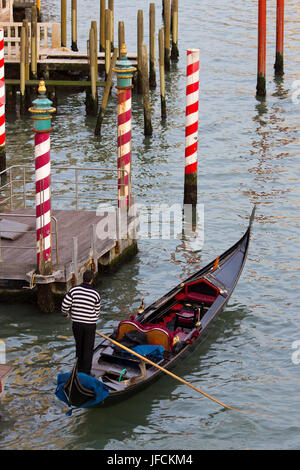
<point x="42" y="87"/>
<point x="123" y="49"/>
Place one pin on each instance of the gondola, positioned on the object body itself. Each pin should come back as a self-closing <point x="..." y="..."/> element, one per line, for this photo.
<point x="165" y="332"/>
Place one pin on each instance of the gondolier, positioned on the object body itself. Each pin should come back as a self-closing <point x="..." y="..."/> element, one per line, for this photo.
<point x="82" y="305"/>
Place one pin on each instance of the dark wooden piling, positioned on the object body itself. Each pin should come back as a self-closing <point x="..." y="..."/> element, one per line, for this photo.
<point x="25" y="24"/>
<point x="106" y="93"/>
<point x="112" y="33"/>
<point x="102" y="25"/>
<point x="167" y="18"/>
<point x="121" y="36"/>
<point x="33" y="43"/>
<point x="10" y="98"/>
<point x="152" y="72"/>
<point x="74" y="46"/>
<point x="261" y="53"/>
<point x="162" y="73"/>
<point x="22" y="71"/>
<point x="91" y="92"/>
<point x="174" y="49"/>
<point x="95" y="28"/>
<point x="140" y="41"/>
<point x="146" y="93"/>
<point x="52" y="94"/>
<point x="38" y="8"/>
<point x="278" y="66"/>
<point x="63" y="23"/>
<point x="107" y="41"/>
<point x="45" y="297"/>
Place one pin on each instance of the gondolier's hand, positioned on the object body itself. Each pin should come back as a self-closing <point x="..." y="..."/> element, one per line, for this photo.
<point x="66" y="315"/>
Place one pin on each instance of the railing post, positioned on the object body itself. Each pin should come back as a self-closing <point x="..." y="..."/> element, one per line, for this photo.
<point x="75" y="259"/>
<point x="133" y="221"/>
<point x="93" y="254"/>
<point x="76" y="187"/>
<point x="11" y="189"/>
<point x="24" y="187"/>
<point x="2" y="107"/>
<point x="56" y="239"/>
<point x="121" y="222"/>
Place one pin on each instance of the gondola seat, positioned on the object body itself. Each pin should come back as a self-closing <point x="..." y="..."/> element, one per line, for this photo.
<point x="155" y="334"/>
<point x="200" y="291"/>
<point x="195" y="297"/>
<point x="186" y="318"/>
<point x="180" y="334"/>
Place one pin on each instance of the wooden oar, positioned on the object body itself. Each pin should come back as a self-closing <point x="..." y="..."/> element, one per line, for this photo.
<point x="164" y="370"/>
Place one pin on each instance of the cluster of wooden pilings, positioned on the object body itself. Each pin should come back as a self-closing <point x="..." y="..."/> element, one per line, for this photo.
<point x="145" y="76"/>
<point x="167" y="52"/>
<point x="100" y="59"/>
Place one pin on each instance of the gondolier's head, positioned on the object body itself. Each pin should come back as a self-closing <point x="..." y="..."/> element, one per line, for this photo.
<point x="88" y="276"/>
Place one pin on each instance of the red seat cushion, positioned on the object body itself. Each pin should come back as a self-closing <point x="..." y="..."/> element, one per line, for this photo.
<point x="207" y="299"/>
<point x="185" y="315"/>
<point x="180" y="296"/>
<point x="177" y="307"/>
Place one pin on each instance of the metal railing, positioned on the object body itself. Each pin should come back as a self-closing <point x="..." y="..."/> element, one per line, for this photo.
<point x="14" y="190"/>
<point x="15" y="185"/>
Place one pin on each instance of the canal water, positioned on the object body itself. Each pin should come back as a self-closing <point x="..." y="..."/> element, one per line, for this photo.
<point x="248" y="154"/>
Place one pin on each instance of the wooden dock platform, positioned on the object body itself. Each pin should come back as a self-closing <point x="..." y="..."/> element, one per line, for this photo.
<point x="76" y="247"/>
<point x="49" y="53"/>
<point x="82" y="238"/>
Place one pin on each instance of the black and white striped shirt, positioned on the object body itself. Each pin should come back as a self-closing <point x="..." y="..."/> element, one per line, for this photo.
<point x="82" y="303"/>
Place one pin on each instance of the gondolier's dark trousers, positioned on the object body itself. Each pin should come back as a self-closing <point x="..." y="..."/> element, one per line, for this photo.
<point x="84" y="335"/>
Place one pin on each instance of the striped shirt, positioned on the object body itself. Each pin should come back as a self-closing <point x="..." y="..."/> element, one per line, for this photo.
<point x="82" y="303"/>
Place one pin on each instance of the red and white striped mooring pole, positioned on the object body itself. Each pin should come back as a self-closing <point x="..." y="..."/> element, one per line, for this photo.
<point x="124" y="71"/>
<point x="124" y="143"/>
<point x="191" y="126"/>
<point x="42" y="111"/>
<point x="2" y="105"/>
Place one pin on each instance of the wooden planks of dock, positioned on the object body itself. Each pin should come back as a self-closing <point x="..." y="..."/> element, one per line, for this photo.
<point x="75" y="247"/>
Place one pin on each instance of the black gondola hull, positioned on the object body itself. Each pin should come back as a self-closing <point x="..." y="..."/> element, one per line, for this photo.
<point x="225" y="277"/>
